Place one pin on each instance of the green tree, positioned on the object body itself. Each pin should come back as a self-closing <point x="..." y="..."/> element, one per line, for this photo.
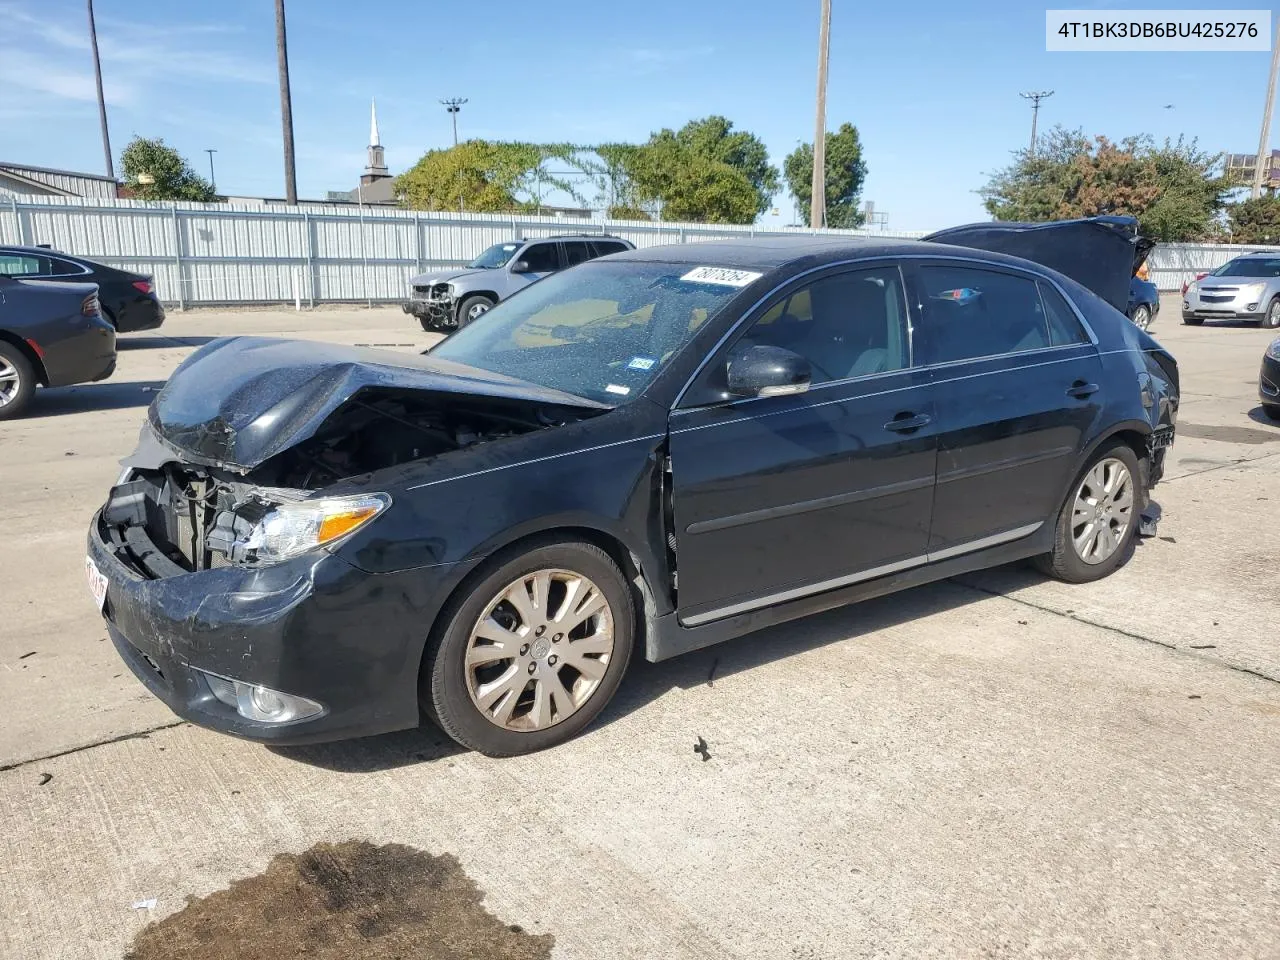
<point x="677" y="182"/>
<point x="485" y="176"/>
<point x="714" y="138"/>
<point x="1255" y="221"/>
<point x="845" y="173"/>
<point x="1174" y="189"/>
<point x="153" y="170"/>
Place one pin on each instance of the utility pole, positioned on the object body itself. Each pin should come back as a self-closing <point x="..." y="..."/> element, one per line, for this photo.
<point x="213" y="181"/>
<point x="286" y="108"/>
<point x="1035" y="99"/>
<point x="818" y="204"/>
<point x="102" y="102"/>
<point x="454" y="106"/>
<point x="1264" y="142"/>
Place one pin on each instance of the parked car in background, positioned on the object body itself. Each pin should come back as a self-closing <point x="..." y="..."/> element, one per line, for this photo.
<point x="129" y="301"/>
<point x="449" y="299"/>
<point x="53" y="335"/>
<point x="1269" y="381"/>
<point x="664" y="449"/>
<point x="1144" y="302"/>
<point x="1244" y="289"/>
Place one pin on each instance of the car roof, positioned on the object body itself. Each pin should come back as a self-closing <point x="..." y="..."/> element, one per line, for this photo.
<point x="36" y="251"/>
<point x="769" y="253"/>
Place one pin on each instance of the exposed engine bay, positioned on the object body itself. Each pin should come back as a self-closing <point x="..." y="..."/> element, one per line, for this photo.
<point x="175" y="516"/>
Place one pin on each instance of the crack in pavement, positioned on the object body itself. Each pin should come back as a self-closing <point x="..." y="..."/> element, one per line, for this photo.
<point x="138" y="735"/>
<point x="1118" y="630"/>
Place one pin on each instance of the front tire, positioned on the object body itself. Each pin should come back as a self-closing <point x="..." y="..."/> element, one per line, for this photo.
<point x="472" y="308"/>
<point x="1271" y="410"/>
<point x="1096" y="524"/>
<point x="532" y="650"/>
<point x="1271" y="319"/>
<point x="17" y="381"/>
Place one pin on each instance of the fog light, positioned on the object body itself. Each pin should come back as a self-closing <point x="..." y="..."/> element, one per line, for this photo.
<point x="1251" y="306"/>
<point x="262" y="704"/>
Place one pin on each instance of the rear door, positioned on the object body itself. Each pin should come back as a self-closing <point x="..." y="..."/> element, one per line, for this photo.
<point x="1016" y="380"/>
<point x="776" y="498"/>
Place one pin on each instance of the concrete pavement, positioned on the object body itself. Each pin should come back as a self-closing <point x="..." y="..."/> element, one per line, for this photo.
<point x="996" y="766"/>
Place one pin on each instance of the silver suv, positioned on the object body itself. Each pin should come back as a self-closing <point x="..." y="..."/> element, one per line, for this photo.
<point x="449" y="299"/>
<point x="1246" y="288"/>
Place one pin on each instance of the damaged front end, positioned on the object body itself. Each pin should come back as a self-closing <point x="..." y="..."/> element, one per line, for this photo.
<point x="433" y="304"/>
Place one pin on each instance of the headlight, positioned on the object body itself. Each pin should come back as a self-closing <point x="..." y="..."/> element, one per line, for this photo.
<point x="1253" y="290"/>
<point x="1273" y="351"/>
<point x="294" y="528"/>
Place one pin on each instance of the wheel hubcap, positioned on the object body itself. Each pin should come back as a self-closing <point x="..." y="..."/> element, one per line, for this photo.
<point x="478" y="309"/>
<point x="539" y="650"/>
<point x="1102" y="510"/>
<point x="1274" y="318"/>
<point x="10" y="382"/>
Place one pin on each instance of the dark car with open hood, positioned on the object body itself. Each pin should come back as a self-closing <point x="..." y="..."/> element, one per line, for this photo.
<point x="655" y="451"/>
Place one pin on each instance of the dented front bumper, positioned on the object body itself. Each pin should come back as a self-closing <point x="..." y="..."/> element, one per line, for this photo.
<point x="314" y="627"/>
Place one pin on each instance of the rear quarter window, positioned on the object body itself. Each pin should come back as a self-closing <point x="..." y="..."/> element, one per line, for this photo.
<point x="1064" y="328"/>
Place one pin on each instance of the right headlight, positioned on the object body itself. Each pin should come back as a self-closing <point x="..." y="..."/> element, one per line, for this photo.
<point x="1273" y="351"/>
<point x="294" y="528"/>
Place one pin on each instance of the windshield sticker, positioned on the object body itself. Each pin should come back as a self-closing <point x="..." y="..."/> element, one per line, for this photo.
<point x="721" y="276"/>
<point x="614" y="388"/>
<point x="641" y="363"/>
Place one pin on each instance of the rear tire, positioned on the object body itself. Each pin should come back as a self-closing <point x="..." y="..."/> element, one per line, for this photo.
<point x="1142" y="316"/>
<point x="502" y="676"/>
<point x="17" y="381"/>
<point x="1097" y="521"/>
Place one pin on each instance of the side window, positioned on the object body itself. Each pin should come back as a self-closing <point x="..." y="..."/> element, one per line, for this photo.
<point x="20" y="265"/>
<point x="1064" y="328"/>
<point x="575" y="252"/>
<point x="605" y="247"/>
<point x="63" y="268"/>
<point x="970" y="312"/>
<point x="541" y="257"/>
<point x="846" y="325"/>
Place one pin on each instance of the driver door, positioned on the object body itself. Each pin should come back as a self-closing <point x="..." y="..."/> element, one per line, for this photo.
<point x="779" y="497"/>
<point x="542" y="258"/>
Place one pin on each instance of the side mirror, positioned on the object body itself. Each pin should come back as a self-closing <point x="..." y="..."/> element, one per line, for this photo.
<point x="762" y="371"/>
<point x="520" y="266"/>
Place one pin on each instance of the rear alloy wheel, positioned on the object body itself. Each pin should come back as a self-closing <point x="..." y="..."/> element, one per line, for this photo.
<point x="1142" y="317"/>
<point x="533" y="652"/>
<point x="17" y="381"/>
<point x="1272" y="318"/>
<point x="1096" y="524"/>
<point x="473" y="307"/>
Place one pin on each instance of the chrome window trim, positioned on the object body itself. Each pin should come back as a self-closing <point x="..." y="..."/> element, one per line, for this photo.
<point x="1093" y="337"/>
<point x="848" y="580"/>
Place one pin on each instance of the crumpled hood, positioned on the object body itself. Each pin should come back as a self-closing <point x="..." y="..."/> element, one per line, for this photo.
<point x="239" y="401"/>
<point x="441" y="276"/>
<point x="1099" y="253"/>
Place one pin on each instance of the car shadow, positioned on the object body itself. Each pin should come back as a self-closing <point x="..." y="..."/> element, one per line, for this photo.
<point x="109" y="395"/>
<point x="129" y="341"/>
<point x="646" y="682"/>
<point x="1258" y="415"/>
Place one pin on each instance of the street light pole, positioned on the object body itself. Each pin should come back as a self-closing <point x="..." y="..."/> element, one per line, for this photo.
<point x="213" y="180"/>
<point x="286" y="107"/>
<point x="454" y="106"/>
<point x="1035" y="99"/>
<point x="102" y="103"/>
<point x="818" y="203"/>
<point x="1264" y="142"/>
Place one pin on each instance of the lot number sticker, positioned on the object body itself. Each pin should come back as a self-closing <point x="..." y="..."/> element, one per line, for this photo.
<point x="721" y="276"/>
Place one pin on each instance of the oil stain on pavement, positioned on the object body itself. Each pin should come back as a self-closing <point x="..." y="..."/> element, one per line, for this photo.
<point x="341" y="902"/>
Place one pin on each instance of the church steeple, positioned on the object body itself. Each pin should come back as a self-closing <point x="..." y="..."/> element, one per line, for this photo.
<point x="376" y="169"/>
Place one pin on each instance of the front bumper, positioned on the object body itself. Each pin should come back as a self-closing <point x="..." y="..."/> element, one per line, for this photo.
<point x="438" y="312"/>
<point x="315" y="627"/>
<point x="1269" y="382"/>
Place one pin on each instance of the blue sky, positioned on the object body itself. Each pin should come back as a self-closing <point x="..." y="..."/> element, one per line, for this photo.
<point x="931" y="85"/>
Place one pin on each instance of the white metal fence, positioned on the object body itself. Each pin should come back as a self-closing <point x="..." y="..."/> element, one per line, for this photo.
<point x="221" y="253"/>
<point x="225" y="254"/>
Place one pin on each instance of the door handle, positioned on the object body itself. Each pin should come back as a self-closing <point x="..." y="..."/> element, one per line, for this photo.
<point x="1080" y="389"/>
<point x="908" y="422"/>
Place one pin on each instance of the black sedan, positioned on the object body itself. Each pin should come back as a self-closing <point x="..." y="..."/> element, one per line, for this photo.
<point x="129" y="300"/>
<point x="52" y="335"/>
<point x="659" y="450"/>
<point x="1269" y="380"/>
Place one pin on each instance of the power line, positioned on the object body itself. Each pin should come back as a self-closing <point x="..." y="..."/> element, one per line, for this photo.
<point x="1035" y="99"/>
